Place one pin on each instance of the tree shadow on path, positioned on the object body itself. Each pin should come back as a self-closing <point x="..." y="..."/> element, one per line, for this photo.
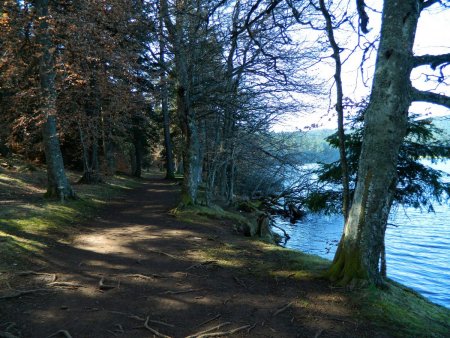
<point x="135" y="268"/>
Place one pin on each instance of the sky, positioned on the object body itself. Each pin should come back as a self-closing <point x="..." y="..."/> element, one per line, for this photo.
<point x="432" y="37"/>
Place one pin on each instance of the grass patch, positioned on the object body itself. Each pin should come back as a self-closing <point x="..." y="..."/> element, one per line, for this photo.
<point x="201" y="214"/>
<point x="399" y="311"/>
<point x="29" y="223"/>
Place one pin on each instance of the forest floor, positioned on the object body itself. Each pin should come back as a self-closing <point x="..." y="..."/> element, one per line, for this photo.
<point x="135" y="270"/>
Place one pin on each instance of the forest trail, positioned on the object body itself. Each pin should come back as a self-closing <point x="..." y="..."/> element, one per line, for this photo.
<point x="136" y="271"/>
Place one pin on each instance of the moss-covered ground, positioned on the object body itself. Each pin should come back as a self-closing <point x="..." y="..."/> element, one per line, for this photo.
<point x="398" y="310"/>
<point x="28" y="220"/>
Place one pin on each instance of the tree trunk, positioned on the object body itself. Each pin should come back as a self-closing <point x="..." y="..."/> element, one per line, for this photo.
<point x="138" y="152"/>
<point x="170" y="171"/>
<point x="358" y="256"/>
<point x="57" y="185"/>
<point x="186" y="113"/>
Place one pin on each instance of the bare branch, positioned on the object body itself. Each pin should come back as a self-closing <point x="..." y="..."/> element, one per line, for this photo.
<point x="428" y="3"/>
<point x="363" y="17"/>
<point x="430" y="97"/>
<point x="432" y="60"/>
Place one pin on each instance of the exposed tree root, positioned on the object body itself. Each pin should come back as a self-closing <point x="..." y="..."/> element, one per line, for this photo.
<point x="201" y="264"/>
<point x="65" y="284"/>
<point x="164" y="254"/>
<point x="137" y="275"/>
<point x="282" y="309"/>
<point x="161" y="323"/>
<point x="240" y="282"/>
<point x="119" y="329"/>
<point x="104" y="287"/>
<point x="251" y="328"/>
<point x="179" y="292"/>
<point x="224" y="333"/>
<point x="61" y="332"/>
<point x="209" y="320"/>
<point x="31" y="272"/>
<point x="129" y="315"/>
<point x="198" y="334"/>
<point x="132" y="316"/>
<point x="155" y="332"/>
<point x="18" y="293"/>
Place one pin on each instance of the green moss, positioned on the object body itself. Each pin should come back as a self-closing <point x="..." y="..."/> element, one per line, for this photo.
<point x="397" y="310"/>
<point x="28" y="226"/>
<point x="403" y="312"/>
<point x="195" y="213"/>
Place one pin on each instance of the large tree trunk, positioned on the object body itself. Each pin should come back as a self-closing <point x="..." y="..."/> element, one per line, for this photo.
<point x="186" y="113"/>
<point x="138" y="143"/>
<point x="358" y="254"/>
<point x="57" y="185"/>
<point x="170" y="171"/>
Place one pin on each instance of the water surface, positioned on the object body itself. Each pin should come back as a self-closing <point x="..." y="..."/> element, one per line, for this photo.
<point x="417" y="248"/>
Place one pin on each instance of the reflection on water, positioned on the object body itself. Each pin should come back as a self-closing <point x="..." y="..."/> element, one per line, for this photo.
<point x="417" y="250"/>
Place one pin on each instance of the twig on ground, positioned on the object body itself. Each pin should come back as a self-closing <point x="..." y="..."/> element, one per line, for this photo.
<point x="136" y="317"/>
<point x="251" y="328"/>
<point x="200" y="264"/>
<point x="62" y="332"/>
<point x="142" y="276"/>
<point x="104" y="287"/>
<point x="198" y="334"/>
<point x="129" y="315"/>
<point x="18" y="293"/>
<point x="155" y="332"/>
<point x="66" y="284"/>
<point x="240" y="282"/>
<point x="161" y="323"/>
<point x="179" y="292"/>
<point x="164" y="254"/>
<point x="31" y="272"/>
<point x="209" y="320"/>
<point x="224" y="333"/>
<point x="284" y="308"/>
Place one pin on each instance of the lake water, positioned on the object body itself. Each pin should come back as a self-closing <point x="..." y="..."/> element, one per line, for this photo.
<point x="417" y="249"/>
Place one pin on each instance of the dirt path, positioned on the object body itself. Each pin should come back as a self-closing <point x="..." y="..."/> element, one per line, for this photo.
<point x="135" y="262"/>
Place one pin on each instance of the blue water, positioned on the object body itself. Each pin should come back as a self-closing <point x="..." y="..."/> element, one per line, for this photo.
<point x="417" y="248"/>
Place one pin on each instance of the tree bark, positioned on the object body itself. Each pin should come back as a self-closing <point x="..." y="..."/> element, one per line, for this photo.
<point x="57" y="184"/>
<point x="170" y="171"/>
<point x="186" y="113"/>
<point x="358" y="256"/>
